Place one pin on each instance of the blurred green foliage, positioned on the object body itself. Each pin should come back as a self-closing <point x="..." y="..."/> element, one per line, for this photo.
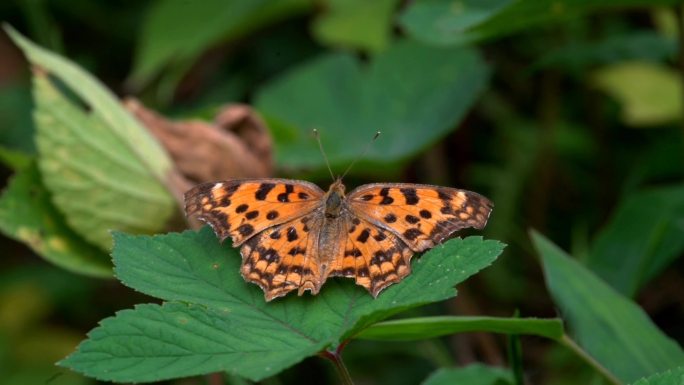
<point x="567" y="114"/>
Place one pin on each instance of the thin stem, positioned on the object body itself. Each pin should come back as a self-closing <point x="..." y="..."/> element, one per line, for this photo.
<point x="336" y="358"/>
<point x="572" y="345"/>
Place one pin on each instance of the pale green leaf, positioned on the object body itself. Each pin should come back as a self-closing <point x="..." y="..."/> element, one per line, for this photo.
<point x="669" y="377"/>
<point x="27" y="215"/>
<point x="233" y="328"/>
<point x="430" y="327"/>
<point x="412" y="93"/>
<point x="104" y="170"/>
<point x="649" y="94"/>
<point x="475" y="374"/>
<point x="362" y="24"/>
<point x="615" y="331"/>
<point x="644" y="235"/>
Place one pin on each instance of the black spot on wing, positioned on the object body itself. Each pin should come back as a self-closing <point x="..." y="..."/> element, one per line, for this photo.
<point x="263" y="191"/>
<point x="245" y="229"/>
<point x="412" y="234"/>
<point x="410" y="195"/>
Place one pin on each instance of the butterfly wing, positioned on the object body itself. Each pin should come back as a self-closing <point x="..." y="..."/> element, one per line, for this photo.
<point x="241" y="208"/>
<point x="284" y="258"/>
<point x="372" y="255"/>
<point x="420" y="215"/>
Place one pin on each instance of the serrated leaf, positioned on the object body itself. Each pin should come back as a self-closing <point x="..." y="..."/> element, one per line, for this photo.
<point x="192" y="267"/>
<point x="412" y="93"/>
<point x="178" y="31"/>
<point x="475" y="374"/>
<point x="612" y="329"/>
<point x="105" y="171"/>
<point x="361" y="24"/>
<point x="27" y="215"/>
<point x="431" y="327"/>
<point x="644" y="235"/>
<point x="669" y="377"/>
<point x="649" y="93"/>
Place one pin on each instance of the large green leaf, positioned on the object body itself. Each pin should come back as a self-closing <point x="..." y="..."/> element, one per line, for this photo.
<point x="475" y="374"/>
<point x="669" y="377"/>
<point x="612" y="329"/>
<point x="643" y="237"/>
<point x="463" y="21"/>
<point x="216" y="321"/>
<point x="430" y="327"/>
<point x="412" y="93"/>
<point x="359" y="24"/>
<point x="105" y="171"/>
<point x="27" y="215"/>
<point x="178" y="31"/>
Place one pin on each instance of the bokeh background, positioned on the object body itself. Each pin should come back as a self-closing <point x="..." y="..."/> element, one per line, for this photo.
<point x="567" y="114"/>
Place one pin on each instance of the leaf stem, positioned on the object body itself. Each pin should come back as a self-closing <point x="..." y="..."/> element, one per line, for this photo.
<point x="572" y="345"/>
<point x="336" y="358"/>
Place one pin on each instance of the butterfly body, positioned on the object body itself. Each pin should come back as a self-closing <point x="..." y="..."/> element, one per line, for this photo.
<point x="293" y="236"/>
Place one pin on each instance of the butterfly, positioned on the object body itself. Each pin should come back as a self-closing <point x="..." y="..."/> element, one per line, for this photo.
<point x="293" y="235"/>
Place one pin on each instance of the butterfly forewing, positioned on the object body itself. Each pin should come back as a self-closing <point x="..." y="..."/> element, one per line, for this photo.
<point x="421" y="215"/>
<point x="242" y="208"/>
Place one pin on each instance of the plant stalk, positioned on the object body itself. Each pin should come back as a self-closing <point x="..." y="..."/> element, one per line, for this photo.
<point x="572" y="345"/>
<point x="336" y="358"/>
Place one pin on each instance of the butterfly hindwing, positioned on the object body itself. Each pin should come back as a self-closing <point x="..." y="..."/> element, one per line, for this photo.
<point x="242" y="208"/>
<point x="421" y="215"/>
<point x="375" y="257"/>
<point x="283" y="258"/>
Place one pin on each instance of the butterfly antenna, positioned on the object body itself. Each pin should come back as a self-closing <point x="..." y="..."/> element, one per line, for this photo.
<point x="320" y="147"/>
<point x="363" y="153"/>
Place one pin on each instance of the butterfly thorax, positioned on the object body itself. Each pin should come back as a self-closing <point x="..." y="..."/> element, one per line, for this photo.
<point x="334" y="199"/>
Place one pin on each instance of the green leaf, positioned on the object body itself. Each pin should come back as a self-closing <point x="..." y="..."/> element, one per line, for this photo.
<point x="362" y="24"/>
<point x="178" y="31"/>
<point x="430" y="327"/>
<point x="644" y="235"/>
<point x="669" y="377"/>
<point x="465" y="21"/>
<point x="476" y="374"/>
<point x="27" y="215"/>
<point x="231" y="327"/>
<point x="105" y="171"/>
<point x="612" y="329"/>
<point x="447" y="21"/>
<point x="650" y="94"/>
<point x="412" y="93"/>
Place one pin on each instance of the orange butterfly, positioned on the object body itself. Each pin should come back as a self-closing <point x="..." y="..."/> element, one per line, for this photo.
<point x="293" y="235"/>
